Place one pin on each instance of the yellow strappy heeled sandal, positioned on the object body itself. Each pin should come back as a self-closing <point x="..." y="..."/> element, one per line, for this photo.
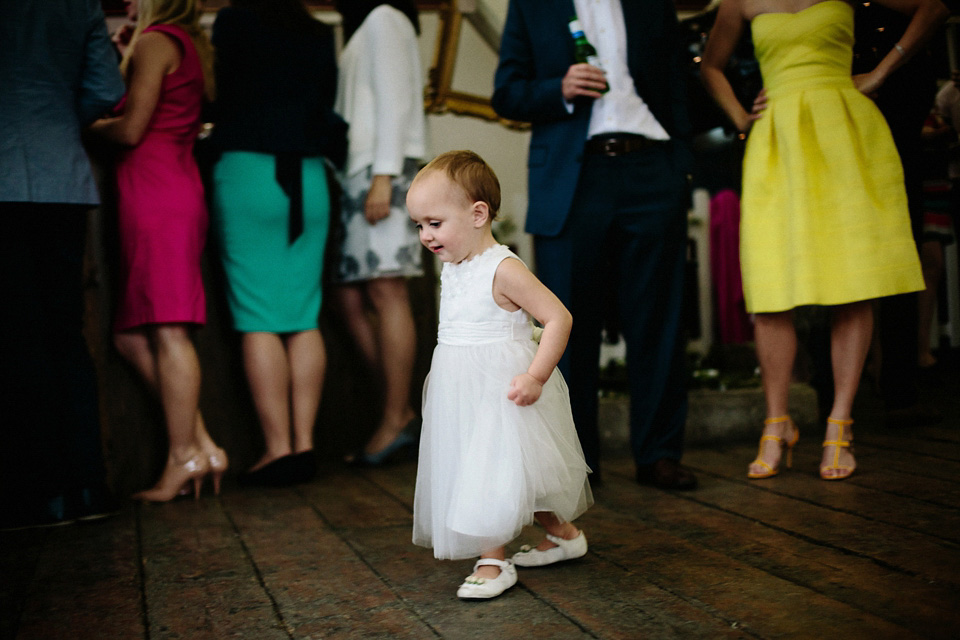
<point x="772" y="471"/>
<point x="839" y="443"/>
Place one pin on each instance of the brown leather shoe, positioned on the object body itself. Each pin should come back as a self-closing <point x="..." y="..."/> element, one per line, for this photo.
<point x="666" y="474"/>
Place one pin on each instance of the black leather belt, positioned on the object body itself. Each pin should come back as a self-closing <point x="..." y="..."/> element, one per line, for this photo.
<point x="619" y="144"/>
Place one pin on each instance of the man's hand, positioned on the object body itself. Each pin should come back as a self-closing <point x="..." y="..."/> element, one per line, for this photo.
<point x="583" y="79"/>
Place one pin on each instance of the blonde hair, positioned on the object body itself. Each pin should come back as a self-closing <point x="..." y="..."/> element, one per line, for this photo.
<point x="471" y="173"/>
<point x="184" y="14"/>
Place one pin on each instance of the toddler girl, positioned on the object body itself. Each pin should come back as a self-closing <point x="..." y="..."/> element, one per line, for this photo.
<point x="498" y="447"/>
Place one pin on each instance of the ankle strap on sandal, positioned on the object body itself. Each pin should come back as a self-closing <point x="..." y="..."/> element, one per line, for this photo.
<point x="840" y="441"/>
<point x="557" y="540"/>
<point x="785" y="418"/>
<point x="491" y="562"/>
<point x="842" y="423"/>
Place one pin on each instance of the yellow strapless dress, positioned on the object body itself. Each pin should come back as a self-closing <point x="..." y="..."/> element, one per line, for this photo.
<point x="824" y="215"/>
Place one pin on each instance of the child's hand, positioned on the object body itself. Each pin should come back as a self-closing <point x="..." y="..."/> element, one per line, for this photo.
<point x="524" y="390"/>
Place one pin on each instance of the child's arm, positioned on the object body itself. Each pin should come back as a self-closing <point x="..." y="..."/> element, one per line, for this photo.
<point x="514" y="287"/>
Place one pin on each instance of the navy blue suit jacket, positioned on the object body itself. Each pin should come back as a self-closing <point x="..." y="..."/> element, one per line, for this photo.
<point x="535" y="52"/>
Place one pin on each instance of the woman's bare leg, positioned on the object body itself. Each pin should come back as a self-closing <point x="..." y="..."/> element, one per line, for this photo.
<point x="135" y="347"/>
<point x="352" y="307"/>
<point x="776" y="340"/>
<point x="307" y="358"/>
<point x="268" y="374"/>
<point x="398" y="344"/>
<point x="850" y="336"/>
<point x="178" y="381"/>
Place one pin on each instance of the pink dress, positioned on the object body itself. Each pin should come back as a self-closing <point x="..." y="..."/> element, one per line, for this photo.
<point x="161" y="207"/>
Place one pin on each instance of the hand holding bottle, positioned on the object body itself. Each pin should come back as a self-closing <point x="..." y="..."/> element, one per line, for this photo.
<point x="583" y="79"/>
<point x="586" y="78"/>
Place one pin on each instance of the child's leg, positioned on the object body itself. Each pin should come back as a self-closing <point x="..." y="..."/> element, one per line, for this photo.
<point x="492" y="575"/>
<point x="564" y="542"/>
<point x="551" y="523"/>
<point x="488" y="572"/>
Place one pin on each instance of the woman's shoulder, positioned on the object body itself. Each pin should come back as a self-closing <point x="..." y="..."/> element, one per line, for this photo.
<point x="163" y="41"/>
<point x="173" y="30"/>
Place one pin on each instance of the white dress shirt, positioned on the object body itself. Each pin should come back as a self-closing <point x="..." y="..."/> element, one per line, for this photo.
<point x="620" y="110"/>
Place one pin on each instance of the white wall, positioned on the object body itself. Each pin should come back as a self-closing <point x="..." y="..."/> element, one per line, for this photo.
<point x="505" y="150"/>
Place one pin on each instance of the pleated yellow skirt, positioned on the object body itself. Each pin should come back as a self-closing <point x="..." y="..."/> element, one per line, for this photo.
<point x="824" y="211"/>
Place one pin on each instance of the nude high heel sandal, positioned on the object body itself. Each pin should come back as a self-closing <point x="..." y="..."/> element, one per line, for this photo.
<point x="769" y="471"/>
<point x="218" y="465"/>
<point x="840" y="443"/>
<point x="176" y="476"/>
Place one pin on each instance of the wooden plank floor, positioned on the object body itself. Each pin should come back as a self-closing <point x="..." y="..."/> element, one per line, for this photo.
<point x="877" y="556"/>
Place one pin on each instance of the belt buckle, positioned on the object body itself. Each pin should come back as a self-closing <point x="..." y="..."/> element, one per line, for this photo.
<point x="611" y="147"/>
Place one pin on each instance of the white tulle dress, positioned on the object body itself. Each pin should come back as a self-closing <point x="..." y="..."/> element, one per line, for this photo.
<point x="486" y="464"/>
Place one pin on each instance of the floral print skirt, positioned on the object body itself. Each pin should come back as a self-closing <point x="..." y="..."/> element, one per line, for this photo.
<point x="389" y="248"/>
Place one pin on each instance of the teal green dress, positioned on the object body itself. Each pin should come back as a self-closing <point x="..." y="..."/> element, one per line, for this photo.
<point x="273" y="285"/>
<point x="274" y="86"/>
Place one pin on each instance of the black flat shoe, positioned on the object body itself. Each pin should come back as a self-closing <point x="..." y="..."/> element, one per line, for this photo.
<point x="281" y="472"/>
<point x="304" y="466"/>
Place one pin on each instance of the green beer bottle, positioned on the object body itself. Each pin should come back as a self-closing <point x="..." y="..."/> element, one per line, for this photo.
<point x="583" y="50"/>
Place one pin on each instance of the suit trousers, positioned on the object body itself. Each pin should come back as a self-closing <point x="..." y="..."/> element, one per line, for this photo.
<point x="627" y="230"/>
<point x="50" y="439"/>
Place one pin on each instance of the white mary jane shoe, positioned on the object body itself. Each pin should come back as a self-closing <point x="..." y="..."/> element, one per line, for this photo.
<point x="565" y="550"/>
<point x="474" y="588"/>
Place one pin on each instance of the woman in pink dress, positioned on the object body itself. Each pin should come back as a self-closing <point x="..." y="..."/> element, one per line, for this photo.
<point x="163" y="227"/>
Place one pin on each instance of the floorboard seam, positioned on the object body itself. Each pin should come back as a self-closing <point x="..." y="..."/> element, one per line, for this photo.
<point x="535" y="595"/>
<point x="141" y="572"/>
<point x="24" y="596"/>
<point x="750" y="561"/>
<point x="890" y="448"/>
<point x="747" y="561"/>
<point x="693" y="602"/>
<point x="907" y="496"/>
<point x="821" y="505"/>
<point x="387" y="493"/>
<point x="559" y="612"/>
<point x="278" y="614"/>
<point x="819" y="543"/>
<point x="338" y="531"/>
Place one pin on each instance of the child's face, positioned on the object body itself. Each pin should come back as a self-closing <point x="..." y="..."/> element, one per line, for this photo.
<point x="448" y="223"/>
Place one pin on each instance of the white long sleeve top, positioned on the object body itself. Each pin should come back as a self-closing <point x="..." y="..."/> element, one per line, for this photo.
<point x="380" y="93"/>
